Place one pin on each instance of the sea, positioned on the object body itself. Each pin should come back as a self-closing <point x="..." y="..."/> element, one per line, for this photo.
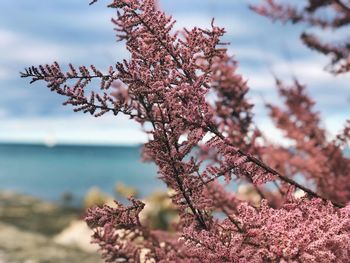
<point x="51" y="173"/>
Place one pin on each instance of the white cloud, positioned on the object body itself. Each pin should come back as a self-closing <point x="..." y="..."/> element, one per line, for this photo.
<point x="24" y="49"/>
<point x="74" y="129"/>
<point x="259" y="80"/>
<point x="7" y="37"/>
<point x="5" y="73"/>
<point x="333" y="124"/>
<point x="252" y="53"/>
<point x="3" y="112"/>
<point x="271" y="133"/>
<point x="233" y="26"/>
<point x="94" y="20"/>
<point x="309" y="71"/>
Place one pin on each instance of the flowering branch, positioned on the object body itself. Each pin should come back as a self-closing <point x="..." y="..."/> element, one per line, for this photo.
<point x="165" y="87"/>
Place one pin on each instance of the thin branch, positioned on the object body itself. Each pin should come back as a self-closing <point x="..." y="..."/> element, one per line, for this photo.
<point x="274" y="172"/>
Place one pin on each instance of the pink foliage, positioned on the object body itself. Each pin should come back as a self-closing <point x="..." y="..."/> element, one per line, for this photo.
<point x="314" y="156"/>
<point x="324" y="14"/>
<point x="183" y="89"/>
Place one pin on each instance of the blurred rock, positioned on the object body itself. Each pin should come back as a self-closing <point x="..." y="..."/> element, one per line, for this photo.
<point x="159" y="212"/>
<point x="35" y="215"/>
<point x="18" y="246"/>
<point x="249" y="194"/>
<point x="67" y="198"/>
<point x="27" y="225"/>
<point x="95" y="197"/>
<point x="125" y="191"/>
<point x="78" y="235"/>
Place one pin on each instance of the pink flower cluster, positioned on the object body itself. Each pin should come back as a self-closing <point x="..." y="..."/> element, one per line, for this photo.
<point x="183" y="89"/>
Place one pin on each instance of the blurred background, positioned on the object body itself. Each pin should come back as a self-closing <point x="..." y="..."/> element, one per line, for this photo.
<point x="66" y="161"/>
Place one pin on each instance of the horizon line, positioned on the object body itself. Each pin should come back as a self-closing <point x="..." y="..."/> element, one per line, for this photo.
<point x="58" y="144"/>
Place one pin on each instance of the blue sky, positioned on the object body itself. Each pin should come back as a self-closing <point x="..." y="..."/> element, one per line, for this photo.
<point x="33" y="32"/>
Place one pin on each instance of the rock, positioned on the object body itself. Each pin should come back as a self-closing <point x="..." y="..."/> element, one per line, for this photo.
<point x="32" y="214"/>
<point x="78" y="235"/>
<point x="18" y="246"/>
<point x="27" y="227"/>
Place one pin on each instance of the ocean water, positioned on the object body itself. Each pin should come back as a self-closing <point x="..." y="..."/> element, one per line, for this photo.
<point x="49" y="172"/>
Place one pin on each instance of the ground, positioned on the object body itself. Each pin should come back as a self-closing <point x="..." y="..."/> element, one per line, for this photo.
<point x="28" y="227"/>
